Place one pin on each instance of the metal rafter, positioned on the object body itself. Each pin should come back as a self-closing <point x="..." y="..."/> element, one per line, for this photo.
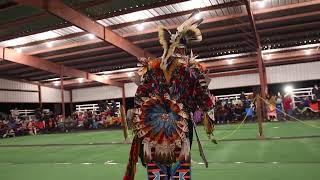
<point x="59" y="9"/>
<point x="177" y="14"/>
<point x="45" y="65"/>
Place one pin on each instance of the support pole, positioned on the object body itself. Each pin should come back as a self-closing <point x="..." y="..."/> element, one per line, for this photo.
<point x="40" y="98"/>
<point x="71" y="102"/>
<point x="263" y="91"/>
<point x="260" y="118"/>
<point x="123" y="117"/>
<point x="62" y="94"/>
<point x="262" y="74"/>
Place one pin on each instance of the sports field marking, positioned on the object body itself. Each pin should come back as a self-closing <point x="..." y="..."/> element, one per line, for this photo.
<point x="120" y="143"/>
<point x="200" y="163"/>
<point x="275" y="127"/>
<point x="64" y="163"/>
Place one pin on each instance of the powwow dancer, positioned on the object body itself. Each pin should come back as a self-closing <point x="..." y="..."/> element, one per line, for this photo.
<point x="171" y="88"/>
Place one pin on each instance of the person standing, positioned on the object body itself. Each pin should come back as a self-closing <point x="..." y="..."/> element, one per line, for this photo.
<point x="288" y="106"/>
<point x="316" y="94"/>
<point x="171" y="89"/>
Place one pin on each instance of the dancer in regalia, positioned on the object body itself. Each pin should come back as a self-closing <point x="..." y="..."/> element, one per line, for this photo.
<point x="171" y="88"/>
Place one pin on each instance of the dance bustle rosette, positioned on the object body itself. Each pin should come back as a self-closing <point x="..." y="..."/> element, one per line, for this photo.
<point x="163" y="126"/>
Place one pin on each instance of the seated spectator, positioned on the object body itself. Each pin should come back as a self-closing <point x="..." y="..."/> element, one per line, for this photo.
<point x="288" y="106"/>
<point x="279" y="106"/>
<point x="239" y="112"/>
<point x="32" y="126"/>
<point x="271" y="109"/>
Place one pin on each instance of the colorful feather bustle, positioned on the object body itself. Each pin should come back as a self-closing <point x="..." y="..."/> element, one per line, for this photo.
<point x="171" y="88"/>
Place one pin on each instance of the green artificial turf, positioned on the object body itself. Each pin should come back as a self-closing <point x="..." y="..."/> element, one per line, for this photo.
<point x="293" y="159"/>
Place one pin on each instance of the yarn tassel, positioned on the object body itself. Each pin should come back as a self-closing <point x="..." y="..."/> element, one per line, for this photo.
<point x="133" y="159"/>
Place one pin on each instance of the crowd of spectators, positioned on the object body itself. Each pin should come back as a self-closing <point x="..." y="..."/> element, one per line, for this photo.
<point x="227" y="110"/>
<point x="233" y="110"/>
<point x="277" y="107"/>
<point x="43" y="122"/>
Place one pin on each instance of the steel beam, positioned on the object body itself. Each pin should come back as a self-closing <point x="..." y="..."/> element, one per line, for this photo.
<point x="59" y="9"/>
<point x="45" y="65"/>
<point x="177" y="14"/>
<point x="63" y="108"/>
<point x="234" y="73"/>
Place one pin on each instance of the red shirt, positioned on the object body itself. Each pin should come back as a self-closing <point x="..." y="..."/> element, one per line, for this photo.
<point x="287" y="103"/>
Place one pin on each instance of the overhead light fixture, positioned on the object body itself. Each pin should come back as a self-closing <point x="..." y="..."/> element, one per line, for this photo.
<point x="230" y="61"/>
<point x="80" y="80"/>
<point x="197" y="16"/>
<point x="261" y="4"/>
<point x="307" y="52"/>
<point x="140" y="27"/>
<point x="49" y="44"/>
<point x="267" y="56"/>
<point x="106" y="77"/>
<point x="19" y="50"/>
<point x="56" y="83"/>
<point x="91" y="36"/>
<point x="130" y="74"/>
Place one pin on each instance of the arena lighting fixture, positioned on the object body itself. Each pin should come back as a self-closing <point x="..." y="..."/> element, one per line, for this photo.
<point x="49" y="44"/>
<point x="307" y="52"/>
<point x="56" y="83"/>
<point x="230" y="61"/>
<point x="267" y="56"/>
<point x="140" y="27"/>
<point x="80" y="80"/>
<point x="288" y="89"/>
<point x="91" y="36"/>
<point x="106" y="76"/>
<point x="197" y="16"/>
<point x="19" y="50"/>
<point x="261" y="4"/>
<point x="130" y="74"/>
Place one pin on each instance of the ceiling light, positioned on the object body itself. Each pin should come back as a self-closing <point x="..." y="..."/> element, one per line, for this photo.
<point x="49" y="44"/>
<point x="267" y="57"/>
<point x="307" y="52"/>
<point x="106" y="77"/>
<point x="140" y="27"/>
<point x="91" y="36"/>
<point x="80" y="80"/>
<point x="56" y="83"/>
<point x="261" y="4"/>
<point x="130" y="74"/>
<point x="230" y="61"/>
<point x="19" y="50"/>
<point x="197" y="16"/>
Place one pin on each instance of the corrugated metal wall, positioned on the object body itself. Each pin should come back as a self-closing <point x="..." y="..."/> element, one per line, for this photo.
<point x="234" y="81"/>
<point x="19" y="97"/>
<point x="8" y="84"/>
<point x="275" y="74"/>
<point x="96" y="93"/>
<point x="293" y="72"/>
<point x="24" y="92"/>
<point x="52" y="95"/>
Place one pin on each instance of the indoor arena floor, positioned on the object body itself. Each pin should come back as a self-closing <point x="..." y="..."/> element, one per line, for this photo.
<point x="291" y="151"/>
